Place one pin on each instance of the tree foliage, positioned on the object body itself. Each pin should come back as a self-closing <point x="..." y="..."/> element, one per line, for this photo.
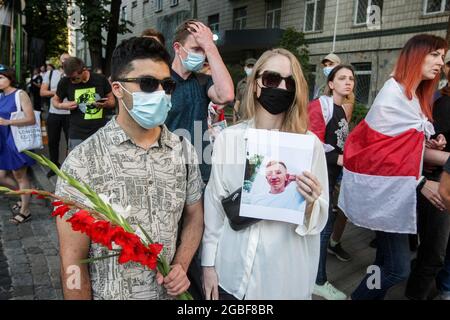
<point x="47" y="20"/>
<point x="100" y="16"/>
<point x="295" y="42"/>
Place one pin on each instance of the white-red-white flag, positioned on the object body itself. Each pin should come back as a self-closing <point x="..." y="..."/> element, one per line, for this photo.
<point x="383" y="161"/>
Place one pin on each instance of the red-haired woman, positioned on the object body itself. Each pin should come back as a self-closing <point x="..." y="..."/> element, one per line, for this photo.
<point x="383" y="159"/>
<point x="433" y="225"/>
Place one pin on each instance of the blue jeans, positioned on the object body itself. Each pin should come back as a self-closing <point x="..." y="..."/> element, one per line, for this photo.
<point x="324" y="241"/>
<point x="443" y="278"/>
<point x="394" y="260"/>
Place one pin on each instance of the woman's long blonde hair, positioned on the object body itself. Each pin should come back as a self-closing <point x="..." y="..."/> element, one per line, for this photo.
<point x="296" y="119"/>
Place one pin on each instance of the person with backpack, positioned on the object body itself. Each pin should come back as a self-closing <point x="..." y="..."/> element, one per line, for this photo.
<point x="193" y="43"/>
<point x="58" y="119"/>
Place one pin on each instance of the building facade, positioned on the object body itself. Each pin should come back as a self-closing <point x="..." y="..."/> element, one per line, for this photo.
<point x="365" y="33"/>
<point x="12" y="35"/>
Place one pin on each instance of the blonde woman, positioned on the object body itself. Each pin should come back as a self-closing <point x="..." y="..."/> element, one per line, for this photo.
<point x="269" y="259"/>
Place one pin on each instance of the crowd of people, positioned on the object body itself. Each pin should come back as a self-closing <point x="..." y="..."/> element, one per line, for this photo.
<point x="154" y="137"/>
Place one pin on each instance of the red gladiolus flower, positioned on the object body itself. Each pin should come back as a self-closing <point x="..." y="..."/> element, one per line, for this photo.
<point x="155" y="248"/>
<point x="60" y="211"/>
<point x="57" y="203"/>
<point x="103" y="232"/>
<point x="82" y="221"/>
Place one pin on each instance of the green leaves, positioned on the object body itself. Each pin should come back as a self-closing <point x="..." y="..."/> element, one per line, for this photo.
<point x="295" y="42"/>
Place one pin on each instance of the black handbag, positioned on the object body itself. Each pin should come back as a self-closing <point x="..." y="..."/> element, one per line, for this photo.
<point x="231" y="206"/>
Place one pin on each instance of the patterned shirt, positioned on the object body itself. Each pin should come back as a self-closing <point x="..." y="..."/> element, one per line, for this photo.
<point x="154" y="183"/>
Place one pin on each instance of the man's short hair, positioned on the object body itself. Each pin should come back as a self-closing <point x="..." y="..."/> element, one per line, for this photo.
<point x="154" y="33"/>
<point x="271" y="163"/>
<point x="182" y="31"/>
<point x="133" y="49"/>
<point x="73" y="64"/>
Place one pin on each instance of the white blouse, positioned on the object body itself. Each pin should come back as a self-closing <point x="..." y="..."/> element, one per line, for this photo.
<point x="270" y="259"/>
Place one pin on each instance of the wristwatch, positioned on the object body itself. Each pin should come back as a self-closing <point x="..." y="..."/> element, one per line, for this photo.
<point x="421" y="183"/>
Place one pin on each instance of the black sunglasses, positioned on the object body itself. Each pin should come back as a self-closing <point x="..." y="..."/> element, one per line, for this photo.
<point x="272" y="79"/>
<point x="151" y="84"/>
<point x="3" y="67"/>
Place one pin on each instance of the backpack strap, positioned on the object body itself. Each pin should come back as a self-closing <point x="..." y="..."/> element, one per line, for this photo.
<point x="50" y="80"/>
<point x="201" y="78"/>
<point x="17" y="98"/>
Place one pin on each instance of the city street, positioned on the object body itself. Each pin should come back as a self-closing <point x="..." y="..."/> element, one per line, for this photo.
<point x="29" y="260"/>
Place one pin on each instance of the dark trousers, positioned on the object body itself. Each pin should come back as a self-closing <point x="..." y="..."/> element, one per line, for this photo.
<point x="56" y="123"/>
<point x="434" y="229"/>
<point x="393" y="260"/>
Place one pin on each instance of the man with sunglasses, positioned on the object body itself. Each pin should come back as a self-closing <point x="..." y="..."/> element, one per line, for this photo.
<point x="136" y="160"/>
<point x="87" y="94"/>
<point x="193" y="43"/>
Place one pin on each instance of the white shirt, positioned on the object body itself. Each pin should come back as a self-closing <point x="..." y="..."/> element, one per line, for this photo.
<point x="290" y="198"/>
<point x="56" y="76"/>
<point x="270" y="259"/>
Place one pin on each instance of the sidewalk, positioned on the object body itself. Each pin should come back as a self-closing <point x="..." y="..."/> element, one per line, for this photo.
<point x="29" y="257"/>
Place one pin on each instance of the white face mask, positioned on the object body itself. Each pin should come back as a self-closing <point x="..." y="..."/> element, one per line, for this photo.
<point x="150" y="109"/>
<point x="248" y="71"/>
<point x="327" y="71"/>
<point x="194" y="61"/>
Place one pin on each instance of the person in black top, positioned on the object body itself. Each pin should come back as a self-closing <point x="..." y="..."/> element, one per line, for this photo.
<point x="36" y="82"/>
<point x="87" y="94"/>
<point x="444" y="188"/>
<point x="433" y="224"/>
<point x="328" y="120"/>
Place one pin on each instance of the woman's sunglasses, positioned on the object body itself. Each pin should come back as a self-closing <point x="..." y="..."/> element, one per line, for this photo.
<point x="3" y="67"/>
<point x="272" y="79"/>
<point x="150" y="84"/>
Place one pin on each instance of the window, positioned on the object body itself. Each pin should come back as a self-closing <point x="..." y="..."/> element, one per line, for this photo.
<point x="436" y="6"/>
<point x="240" y="18"/>
<point x="123" y="14"/>
<point x="314" y="13"/>
<point x="363" y="74"/>
<point x="213" y="23"/>
<point x="273" y="14"/>
<point x="363" y="9"/>
<point x="173" y="3"/>
<point x="133" y="9"/>
<point x="159" y="6"/>
<point x="145" y="8"/>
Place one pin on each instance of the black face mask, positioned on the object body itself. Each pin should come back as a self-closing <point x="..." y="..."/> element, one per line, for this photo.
<point x="276" y="100"/>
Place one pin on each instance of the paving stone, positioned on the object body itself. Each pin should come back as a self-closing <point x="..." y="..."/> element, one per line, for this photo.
<point x="45" y="293"/>
<point x="20" y="268"/>
<point x="18" y="259"/>
<point x="30" y="297"/>
<point x="13" y="244"/>
<point x="34" y="250"/>
<point x="22" y="280"/>
<point x="41" y="279"/>
<point x="23" y="291"/>
<point x="13" y="251"/>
